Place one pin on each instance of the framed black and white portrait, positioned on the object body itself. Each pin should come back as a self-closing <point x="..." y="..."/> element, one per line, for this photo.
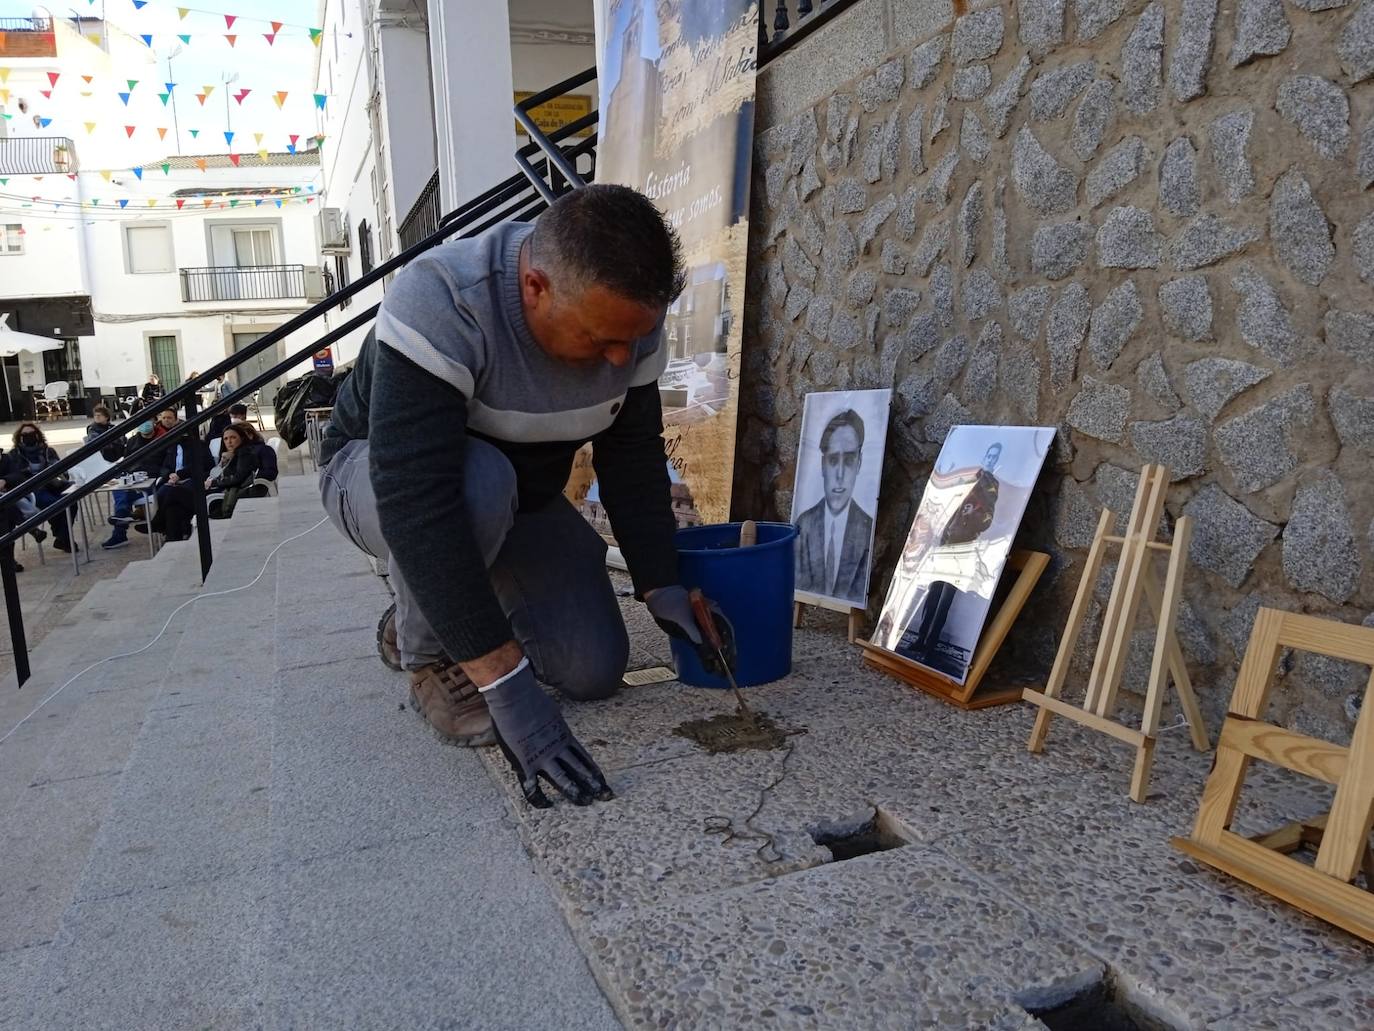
<point x="835" y="500"/>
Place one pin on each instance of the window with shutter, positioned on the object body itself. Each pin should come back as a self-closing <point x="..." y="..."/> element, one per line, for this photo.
<point x="148" y="248"/>
<point x="11" y="238"/>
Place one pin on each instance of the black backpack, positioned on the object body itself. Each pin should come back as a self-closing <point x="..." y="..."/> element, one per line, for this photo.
<point x="313" y="390"/>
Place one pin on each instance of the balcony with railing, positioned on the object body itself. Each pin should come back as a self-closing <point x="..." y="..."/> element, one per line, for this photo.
<point x="27" y="37"/>
<point x="791" y="21"/>
<point x="37" y="155"/>
<point x="423" y="217"/>
<point x="243" y="283"/>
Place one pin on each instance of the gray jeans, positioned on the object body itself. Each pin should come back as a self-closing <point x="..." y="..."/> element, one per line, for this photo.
<point x="548" y="569"/>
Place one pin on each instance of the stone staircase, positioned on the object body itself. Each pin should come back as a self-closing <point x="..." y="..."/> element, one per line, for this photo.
<point x="243" y="825"/>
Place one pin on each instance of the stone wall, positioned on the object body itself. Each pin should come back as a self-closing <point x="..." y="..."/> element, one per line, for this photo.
<point x="1146" y="223"/>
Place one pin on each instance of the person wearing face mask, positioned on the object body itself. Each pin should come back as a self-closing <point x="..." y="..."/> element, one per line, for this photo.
<point x="494" y="359"/>
<point x="156" y="465"/>
<point x="31" y="454"/>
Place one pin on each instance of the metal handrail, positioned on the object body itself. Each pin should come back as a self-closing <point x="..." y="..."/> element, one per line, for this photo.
<point x="538" y="140"/>
<point x="518" y="198"/>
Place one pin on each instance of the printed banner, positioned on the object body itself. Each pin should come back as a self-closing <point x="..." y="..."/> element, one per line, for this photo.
<point x="677" y="123"/>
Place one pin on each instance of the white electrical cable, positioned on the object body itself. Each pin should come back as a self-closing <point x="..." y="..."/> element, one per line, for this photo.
<point x="190" y="601"/>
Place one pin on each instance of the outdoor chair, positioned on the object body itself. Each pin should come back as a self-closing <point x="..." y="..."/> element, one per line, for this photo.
<point x="53" y="403"/>
<point x="255" y="410"/>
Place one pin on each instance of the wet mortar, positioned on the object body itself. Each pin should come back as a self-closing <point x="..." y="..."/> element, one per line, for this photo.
<point x="736" y="732"/>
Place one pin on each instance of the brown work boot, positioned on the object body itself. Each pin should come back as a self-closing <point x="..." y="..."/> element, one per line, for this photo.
<point x="387" y="647"/>
<point x="451" y="704"/>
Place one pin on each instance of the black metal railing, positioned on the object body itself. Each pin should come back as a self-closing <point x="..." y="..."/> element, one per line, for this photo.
<point x="37" y="155"/>
<point x="520" y="198"/>
<point x="791" y="21"/>
<point x="423" y="216"/>
<point x="243" y="283"/>
<point x="26" y="24"/>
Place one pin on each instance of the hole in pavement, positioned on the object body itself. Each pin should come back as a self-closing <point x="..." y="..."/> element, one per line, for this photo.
<point x="734" y="732"/>
<point x="1096" y="1008"/>
<point x="872" y="831"/>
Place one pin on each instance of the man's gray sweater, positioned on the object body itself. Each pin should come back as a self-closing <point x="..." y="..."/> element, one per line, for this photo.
<point x="454" y="357"/>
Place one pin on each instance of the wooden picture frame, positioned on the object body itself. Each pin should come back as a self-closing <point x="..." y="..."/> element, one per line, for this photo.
<point x="1028" y="565"/>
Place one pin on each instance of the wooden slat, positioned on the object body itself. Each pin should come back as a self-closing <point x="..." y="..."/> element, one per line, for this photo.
<point x="1352" y="810"/>
<point x="1325" y="897"/>
<point x="1028" y="565"/>
<point x="1116" y="599"/>
<point x="1158" y="478"/>
<point x="1140" y="772"/>
<point x="1156" y="545"/>
<point x="1088" y="719"/>
<point x="1257" y="669"/>
<point x="1327" y="637"/>
<point x="1073" y="626"/>
<point x="1310" y="756"/>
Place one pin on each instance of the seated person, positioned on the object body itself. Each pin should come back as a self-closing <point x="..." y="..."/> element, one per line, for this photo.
<point x="167" y="420"/>
<point x="31" y="455"/>
<point x="176" y="501"/>
<point x="236" y="414"/>
<point x="112" y="451"/>
<point x="267" y="458"/>
<point x="156" y="466"/>
<point x="235" y="473"/>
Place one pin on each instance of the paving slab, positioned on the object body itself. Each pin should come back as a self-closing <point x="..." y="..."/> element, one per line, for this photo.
<point x="451" y="930"/>
<point x="900" y="939"/>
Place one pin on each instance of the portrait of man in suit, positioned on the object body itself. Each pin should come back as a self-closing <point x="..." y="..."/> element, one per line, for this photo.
<point x="835" y="535"/>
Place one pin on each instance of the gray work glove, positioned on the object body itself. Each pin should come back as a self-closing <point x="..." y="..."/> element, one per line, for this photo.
<point x="537" y="743"/>
<point x="672" y="611"/>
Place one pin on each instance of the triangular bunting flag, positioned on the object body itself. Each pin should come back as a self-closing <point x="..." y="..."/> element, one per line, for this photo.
<point x="280" y="98"/>
<point x="228" y="138"/>
<point x="180" y="202"/>
<point x="147" y="39"/>
<point x="123" y="203"/>
<point x="4" y="182"/>
<point x="4" y="75"/>
<point x="295" y="189"/>
<point x="294" y="139"/>
<point x="138" y="173"/>
<point x="208" y="202"/>
<point x="271" y="37"/>
<point x="132" y="83"/>
<point x="315" y="35"/>
<point x="166" y="168"/>
<point x="129" y="131"/>
<point x="276" y="26"/>
<point x="71" y="176"/>
<point x="208" y="90"/>
<point x="53" y="77"/>
<point x="47" y="93"/>
<point x="231" y="40"/>
<point x="169" y="86"/>
<point x="105" y="174"/>
<point x="201" y="98"/>
<point x="195" y="132"/>
<point x="262" y="155"/>
<point x="140" y="4"/>
<point x="90" y="127"/>
<point x="87" y="93"/>
<point x="278" y="202"/>
<point x="164" y="97"/>
<point x="229" y="20"/>
<point x="43" y="123"/>
<point x="4" y="96"/>
<point x="234" y="159"/>
<point x="152" y="203"/>
<point x="184" y="37"/>
<point x="233" y="203"/>
<point x="161" y="133"/>
<point x="291" y="148"/>
<point x="93" y="37"/>
<point x="200" y="163"/>
<point x="242" y="95"/>
<point x="87" y="79"/>
<point x="257" y="138"/>
<point x="319" y="100"/>
<point x="124" y="97"/>
<point x="182" y="12"/>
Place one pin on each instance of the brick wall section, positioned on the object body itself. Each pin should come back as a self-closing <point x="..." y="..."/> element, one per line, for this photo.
<point x="1148" y="224"/>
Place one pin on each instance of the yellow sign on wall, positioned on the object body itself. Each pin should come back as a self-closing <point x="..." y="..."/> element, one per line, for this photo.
<point x="558" y="112"/>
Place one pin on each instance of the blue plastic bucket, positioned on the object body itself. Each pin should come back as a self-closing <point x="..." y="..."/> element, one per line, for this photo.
<point x="753" y="587"/>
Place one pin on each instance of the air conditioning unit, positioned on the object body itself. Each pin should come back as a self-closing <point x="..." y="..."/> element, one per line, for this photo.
<point x="314" y="284"/>
<point x="332" y="229"/>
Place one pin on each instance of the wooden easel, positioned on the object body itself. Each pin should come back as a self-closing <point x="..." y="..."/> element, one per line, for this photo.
<point x="1341" y="837"/>
<point x="1134" y="577"/>
<point x="804" y="598"/>
<point x="1028" y="565"/>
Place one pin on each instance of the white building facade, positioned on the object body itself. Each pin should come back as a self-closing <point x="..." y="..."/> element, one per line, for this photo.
<point x="425" y="121"/>
<point x="138" y="260"/>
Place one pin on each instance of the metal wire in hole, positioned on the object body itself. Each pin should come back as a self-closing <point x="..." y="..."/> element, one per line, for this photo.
<point x="725" y="826"/>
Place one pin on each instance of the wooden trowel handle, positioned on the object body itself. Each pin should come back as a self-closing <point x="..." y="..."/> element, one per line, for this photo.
<point x="748" y="534"/>
<point x="705" y="621"/>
